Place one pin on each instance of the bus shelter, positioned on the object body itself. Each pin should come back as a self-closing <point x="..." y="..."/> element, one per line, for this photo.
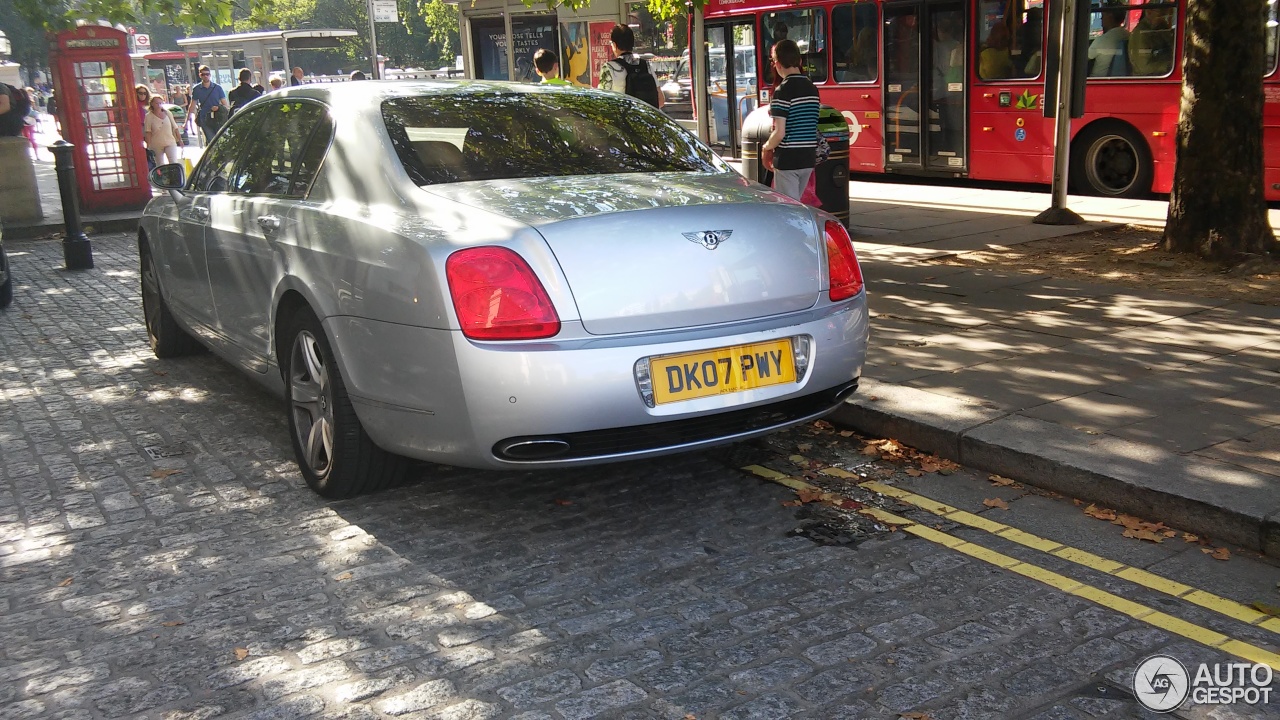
<point x="262" y="52"/>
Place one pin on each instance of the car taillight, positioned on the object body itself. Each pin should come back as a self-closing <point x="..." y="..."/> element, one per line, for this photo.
<point x="497" y="296"/>
<point x="842" y="263"/>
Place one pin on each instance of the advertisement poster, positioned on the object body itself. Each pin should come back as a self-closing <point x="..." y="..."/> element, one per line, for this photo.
<point x="489" y="38"/>
<point x="575" y="61"/>
<point x="601" y="53"/>
<point x="529" y="33"/>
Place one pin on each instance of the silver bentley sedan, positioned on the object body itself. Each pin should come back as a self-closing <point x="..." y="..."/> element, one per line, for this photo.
<point x="495" y="275"/>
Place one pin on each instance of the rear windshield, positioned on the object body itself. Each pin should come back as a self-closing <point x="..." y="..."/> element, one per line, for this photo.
<point x="493" y="136"/>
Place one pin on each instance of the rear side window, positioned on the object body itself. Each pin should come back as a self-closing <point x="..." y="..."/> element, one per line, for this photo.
<point x="500" y="135"/>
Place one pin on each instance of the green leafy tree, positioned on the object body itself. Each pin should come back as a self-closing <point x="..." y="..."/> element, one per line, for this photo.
<point x="1217" y="209"/>
<point x="27" y="39"/>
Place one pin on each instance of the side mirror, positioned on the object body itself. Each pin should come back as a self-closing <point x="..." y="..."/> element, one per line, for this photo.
<point x="168" y="177"/>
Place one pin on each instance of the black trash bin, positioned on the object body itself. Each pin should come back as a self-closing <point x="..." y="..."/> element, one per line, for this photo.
<point x="831" y="176"/>
<point x="755" y="130"/>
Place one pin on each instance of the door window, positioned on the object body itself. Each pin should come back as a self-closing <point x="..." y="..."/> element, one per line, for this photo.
<point x="808" y="28"/>
<point x="276" y="152"/>
<point x="219" y="162"/>
<point x="855" y="52"/>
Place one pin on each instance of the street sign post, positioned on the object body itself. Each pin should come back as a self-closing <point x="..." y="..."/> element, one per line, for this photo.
<point x="380" y="11"/>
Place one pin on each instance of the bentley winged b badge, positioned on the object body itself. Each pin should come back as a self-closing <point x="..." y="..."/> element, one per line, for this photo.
<point x="709" y="239"/>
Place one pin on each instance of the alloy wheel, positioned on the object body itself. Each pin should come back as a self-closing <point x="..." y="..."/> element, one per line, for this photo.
<point x="311" y="401"/>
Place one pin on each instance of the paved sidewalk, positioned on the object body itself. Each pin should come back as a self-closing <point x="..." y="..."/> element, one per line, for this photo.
<point x="1162" y="405"/>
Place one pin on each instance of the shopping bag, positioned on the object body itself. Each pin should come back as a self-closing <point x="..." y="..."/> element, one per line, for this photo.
<point x="186" y="167"/>
<point x="810" y="194"/>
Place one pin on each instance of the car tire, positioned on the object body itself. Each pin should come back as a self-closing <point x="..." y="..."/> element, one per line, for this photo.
<point x="1111" y="159"/>
<point x="337" y="457"/>
<point x="166" y="336"/>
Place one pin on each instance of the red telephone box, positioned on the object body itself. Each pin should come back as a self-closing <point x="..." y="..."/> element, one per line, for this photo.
<point x="100" y="116"/>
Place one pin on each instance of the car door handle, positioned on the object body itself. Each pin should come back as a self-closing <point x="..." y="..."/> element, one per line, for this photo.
<point x="269" y="223"/>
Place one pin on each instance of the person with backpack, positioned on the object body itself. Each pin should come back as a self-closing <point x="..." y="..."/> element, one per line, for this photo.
<point x="627" y="72"/>
<point x="15" y="106"/>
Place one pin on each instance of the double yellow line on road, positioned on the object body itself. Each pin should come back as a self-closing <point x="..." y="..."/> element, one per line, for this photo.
<point x="1066" y="584"/>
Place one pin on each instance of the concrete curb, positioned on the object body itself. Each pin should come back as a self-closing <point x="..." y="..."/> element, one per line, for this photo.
<point x="1212" y="499"/>
<point x="91" y="224"/>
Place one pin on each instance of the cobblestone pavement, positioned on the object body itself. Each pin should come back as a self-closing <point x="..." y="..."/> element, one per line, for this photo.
<point x="212" y="583"/>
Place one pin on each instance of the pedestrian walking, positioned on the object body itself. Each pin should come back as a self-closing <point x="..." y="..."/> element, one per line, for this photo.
<point x="244" y="92"/>
<point x="161" y="132"/>
<point x="296" y="77"/>
<point x="792" y="147"/>
<point x="208" y="105"/>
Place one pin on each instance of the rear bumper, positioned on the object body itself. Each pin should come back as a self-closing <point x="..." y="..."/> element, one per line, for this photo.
<point x="436" y="396"/>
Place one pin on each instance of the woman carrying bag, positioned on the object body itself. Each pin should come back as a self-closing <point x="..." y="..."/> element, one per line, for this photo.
<point x="161" y="132"/>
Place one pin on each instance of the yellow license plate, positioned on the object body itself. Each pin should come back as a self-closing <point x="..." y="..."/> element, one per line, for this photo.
<point x="721" y="371"/>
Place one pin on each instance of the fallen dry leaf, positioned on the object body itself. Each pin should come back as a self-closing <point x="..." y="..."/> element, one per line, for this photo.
<point x="1001" y="481"/>
<point x="1262" y="607"/>
<point x="808" y="495"/>
<point x="930" y="467"/>
<point x="690" y="716"/>
<point x="851" y="504"/>
<point x="871" y="450"/>
<point x="173" y="623"/>
<point x="1220" y="554"/>
<point x="791" y="503"/>
<point x="996" y="503"/>
<point x="1100" y="513"/>
<point x="1190" y="538"/>
<point x="242" y="653"/>
<point x="1130" y="522"/>
<point x="914" y="716"/>
<point x="891" y="661"/>
<point x="846" y="433"/>
<point x="161" y="373"/>
<point x="344" y="576"/>
<point x="163" y="473"/>
<point x="1143" y="535"/>
<point x="914" y="472"/>
<point x="564" y="502"/>
<point x="65" y="583"/>
<point x="1168" y="533"/>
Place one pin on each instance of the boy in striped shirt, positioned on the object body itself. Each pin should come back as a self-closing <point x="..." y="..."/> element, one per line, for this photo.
<point x="791" y="150"/>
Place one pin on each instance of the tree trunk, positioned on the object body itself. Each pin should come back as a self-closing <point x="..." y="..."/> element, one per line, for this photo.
<point x="1217" y="209"/>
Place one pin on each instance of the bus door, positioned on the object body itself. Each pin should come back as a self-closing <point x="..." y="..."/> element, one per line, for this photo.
<point x="732" y="86"/>
<point x="925" y="57"/>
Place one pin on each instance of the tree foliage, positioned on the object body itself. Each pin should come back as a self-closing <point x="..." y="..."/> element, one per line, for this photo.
<point x="1218" y="209"/>
<point x="63" y="14"/>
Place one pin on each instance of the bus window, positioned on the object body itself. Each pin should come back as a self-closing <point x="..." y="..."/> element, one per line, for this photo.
<point x="854" y="45"/>
<point x="1152" y="40"/>
<point x="1109" y="39"/>
<point x="808" y="28"/>
<point x="1010" y="39"/>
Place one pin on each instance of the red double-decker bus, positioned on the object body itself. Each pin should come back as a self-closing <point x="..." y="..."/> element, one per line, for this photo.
<point x="954" y="88"/>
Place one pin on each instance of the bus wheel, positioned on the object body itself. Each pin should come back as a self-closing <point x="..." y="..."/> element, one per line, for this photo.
<point x="1112" y="160"/>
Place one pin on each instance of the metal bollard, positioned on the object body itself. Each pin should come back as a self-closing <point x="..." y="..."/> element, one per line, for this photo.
<point x="77" y="251"/>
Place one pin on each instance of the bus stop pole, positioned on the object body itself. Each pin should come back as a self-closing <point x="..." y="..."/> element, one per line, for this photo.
<point x="373" y="43"/>
<point x="1058" y="212"/>
<point x="698" y="61"/>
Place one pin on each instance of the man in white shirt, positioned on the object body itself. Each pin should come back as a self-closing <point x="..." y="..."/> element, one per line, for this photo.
<point x="1107" y="51"/>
